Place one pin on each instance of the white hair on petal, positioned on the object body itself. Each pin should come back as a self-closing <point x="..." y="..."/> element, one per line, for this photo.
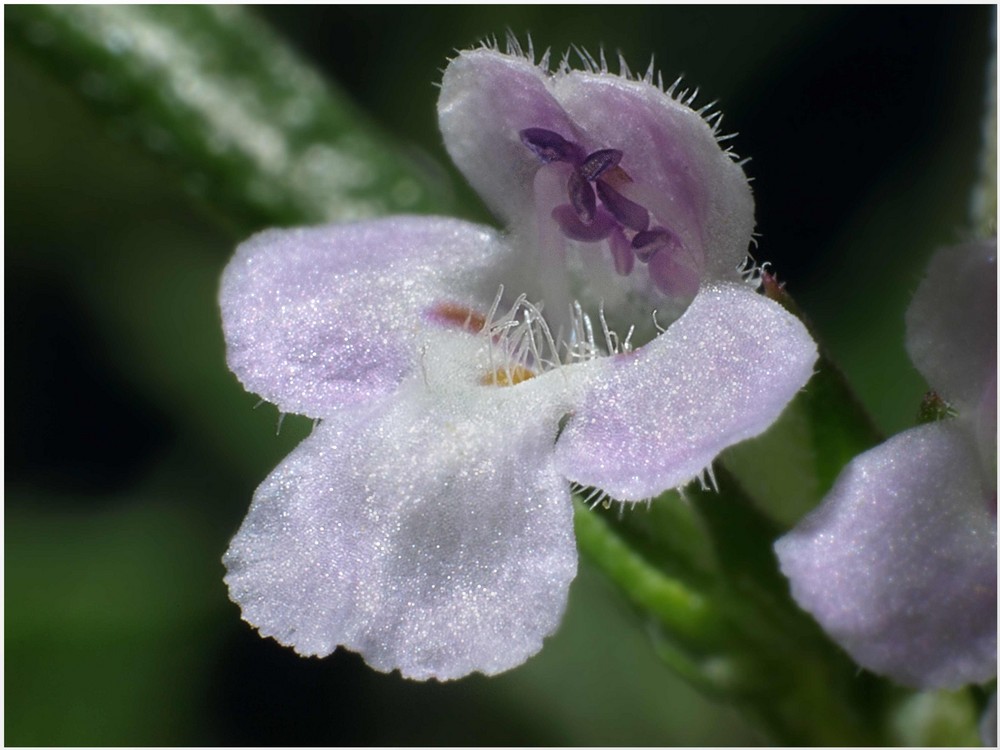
<point x="599" y="66"/>
<point x="751" y="272"/>
<point x="650" y="71"/>
<point x="521" y="338"/>
<point x="623" y="69"/>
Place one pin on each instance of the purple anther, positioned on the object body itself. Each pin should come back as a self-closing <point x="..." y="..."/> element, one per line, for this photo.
<point x="581" y="196"/>
<point x="621" y="252"/>
<point x="599" y="162"/>
<point x="570" y="224"/>
<point x="550" y="146"/>
<point x="627" y="212"/>
<point x="648" y="243"/>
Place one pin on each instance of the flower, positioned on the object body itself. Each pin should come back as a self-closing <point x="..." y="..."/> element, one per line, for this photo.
<point x="427" y="521"/>
<point x="898" y="563"/>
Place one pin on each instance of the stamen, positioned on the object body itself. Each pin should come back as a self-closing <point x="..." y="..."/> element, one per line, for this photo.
<point x="581" y="196"/>
<point x="616" y="177"/>
<point x="600" y="211"/>
<point x="550" y="146"/>
<point x="646" y="244"/>
<point x="599" y="162"/>
<point x="627" y="212"/>
<point x="601" y="226"/>
<point x="621" y="252"/>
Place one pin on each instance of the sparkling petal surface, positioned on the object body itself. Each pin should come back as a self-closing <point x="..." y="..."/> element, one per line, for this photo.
<point x="321" y="317"/>
<point x="899" y="562"/>
<point x="486" y="100"/>
<point x="951" y="330"/>
<point x="431" y="535"/>
<point x="656" y="418"/>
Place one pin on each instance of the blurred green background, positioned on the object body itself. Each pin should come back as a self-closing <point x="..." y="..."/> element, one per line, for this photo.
<point x="132" y="453"/>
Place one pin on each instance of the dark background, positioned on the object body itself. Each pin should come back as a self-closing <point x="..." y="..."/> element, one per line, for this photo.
<point x="132" y="453"/>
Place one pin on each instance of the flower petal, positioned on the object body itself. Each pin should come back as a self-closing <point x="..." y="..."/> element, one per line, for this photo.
<point x="487" y="99"/>
<point x="656" y="418"/>
<point x="321" y="317"/>
<point x="951" y="330"/>
<point x="899" y="562"/>
<point x="678" y="171"/>
<point x="671" y="168"/>
<point x="428" y="538"/>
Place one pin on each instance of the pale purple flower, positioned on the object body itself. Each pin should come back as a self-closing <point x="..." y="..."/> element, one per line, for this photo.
<point x="466" y="379"/>
<point x="899" y="562"/>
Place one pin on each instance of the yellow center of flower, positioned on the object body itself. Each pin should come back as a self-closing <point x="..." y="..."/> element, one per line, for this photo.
<point x="507" y="376"/>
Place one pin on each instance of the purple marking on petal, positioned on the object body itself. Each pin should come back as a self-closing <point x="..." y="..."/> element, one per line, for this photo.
<point x="621" y="252"/>
<point x="581" y="196"/>
<point x="627" y="212"/>
<point x="550" y="146"/>
<point x="572" y="227"/>
<point x="599" y="162"/>
<point x="649" y="242"/>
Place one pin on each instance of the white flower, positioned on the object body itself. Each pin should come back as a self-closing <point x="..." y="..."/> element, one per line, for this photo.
<point x="427" y="521"/>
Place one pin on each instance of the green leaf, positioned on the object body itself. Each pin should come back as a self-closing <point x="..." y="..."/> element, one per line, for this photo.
<point x="111" y="619"/>
<point x="789" y="468"/>
<point x="252" y="130"/>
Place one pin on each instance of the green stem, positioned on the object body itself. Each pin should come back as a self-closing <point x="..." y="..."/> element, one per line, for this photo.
<point x="722" y="616"/>
<point x="842" y="428"/>
<point x="682" y="610"/>
<point x="820" y="431"/>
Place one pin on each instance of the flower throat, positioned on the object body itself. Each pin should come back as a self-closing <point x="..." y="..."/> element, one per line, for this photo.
<point x="596" y="209"/>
